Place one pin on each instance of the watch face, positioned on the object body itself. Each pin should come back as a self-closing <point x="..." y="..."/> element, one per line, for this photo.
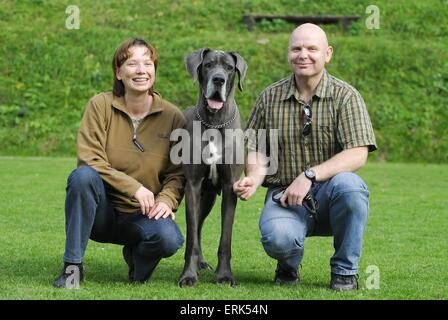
<point x="310" y="174"/>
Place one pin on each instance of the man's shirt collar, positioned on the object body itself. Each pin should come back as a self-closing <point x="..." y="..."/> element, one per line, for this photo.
<point x="323" y="89"/>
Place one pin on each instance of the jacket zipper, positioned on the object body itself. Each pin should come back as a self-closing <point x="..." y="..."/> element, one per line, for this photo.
<point x="134" y="138"/>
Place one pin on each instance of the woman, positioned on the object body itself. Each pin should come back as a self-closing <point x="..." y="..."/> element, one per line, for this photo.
<point x="125" y="189"/>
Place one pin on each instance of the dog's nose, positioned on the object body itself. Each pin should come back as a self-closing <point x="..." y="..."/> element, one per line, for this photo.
<point x="218" y="80"/>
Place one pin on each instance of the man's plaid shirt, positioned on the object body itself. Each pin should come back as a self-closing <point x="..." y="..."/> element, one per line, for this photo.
<point x="339" y="121"/>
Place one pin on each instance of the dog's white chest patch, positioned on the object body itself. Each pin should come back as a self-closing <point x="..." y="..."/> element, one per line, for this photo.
<point x="214" y="153"/>
<point x="215" y="156"/>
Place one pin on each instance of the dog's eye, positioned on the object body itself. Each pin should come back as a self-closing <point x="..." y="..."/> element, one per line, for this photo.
<point x="207" y="65"/>
<point x="229" y="67"/>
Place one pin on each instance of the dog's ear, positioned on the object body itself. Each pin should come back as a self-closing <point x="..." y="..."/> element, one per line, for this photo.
<point x="241" y="67"/>
<point x="194" y="60"/>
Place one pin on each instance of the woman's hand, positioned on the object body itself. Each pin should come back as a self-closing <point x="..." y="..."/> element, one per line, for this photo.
<point x="161" y="210"/>
<point x="146" y="199"/>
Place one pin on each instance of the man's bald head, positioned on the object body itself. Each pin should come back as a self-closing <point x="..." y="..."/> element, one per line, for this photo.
<point x="308" y="31"/>
<point x="308" y="51"/>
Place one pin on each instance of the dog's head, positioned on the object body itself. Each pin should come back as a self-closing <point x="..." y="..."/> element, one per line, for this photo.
<point x="215" y="71"/>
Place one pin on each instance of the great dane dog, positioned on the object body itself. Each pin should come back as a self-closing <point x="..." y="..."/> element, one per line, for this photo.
<point x="214" y="113"/>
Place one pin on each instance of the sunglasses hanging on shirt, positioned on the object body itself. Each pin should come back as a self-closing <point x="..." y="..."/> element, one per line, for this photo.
<point x="308" y="115"/>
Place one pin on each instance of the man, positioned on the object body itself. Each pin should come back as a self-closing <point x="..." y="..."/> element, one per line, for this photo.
<point x="324" y="135"/>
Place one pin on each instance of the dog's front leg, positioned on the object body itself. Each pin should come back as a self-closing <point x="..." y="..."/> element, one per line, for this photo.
<point x="189" y="275"/>
<point x="228" y="205"/>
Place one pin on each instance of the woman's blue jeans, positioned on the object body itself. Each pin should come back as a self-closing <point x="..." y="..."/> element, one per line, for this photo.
<point x="342" y="213"/>
<point x="90" y="215"/>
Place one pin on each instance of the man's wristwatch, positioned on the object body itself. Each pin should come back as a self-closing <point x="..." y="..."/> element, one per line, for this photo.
<point x="311" y="175"/>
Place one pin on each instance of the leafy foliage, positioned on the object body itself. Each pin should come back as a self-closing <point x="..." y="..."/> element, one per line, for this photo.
<point x="48" y="72"/>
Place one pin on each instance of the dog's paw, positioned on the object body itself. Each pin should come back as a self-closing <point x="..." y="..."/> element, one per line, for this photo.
<point x="226" y="279"/>
<point x="187" y="280"/>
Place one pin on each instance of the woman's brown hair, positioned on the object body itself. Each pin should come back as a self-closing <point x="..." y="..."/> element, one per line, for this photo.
<point x="122" y="54"/>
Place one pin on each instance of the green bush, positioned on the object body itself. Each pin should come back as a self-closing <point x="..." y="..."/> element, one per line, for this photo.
<point x="47" y="72"/>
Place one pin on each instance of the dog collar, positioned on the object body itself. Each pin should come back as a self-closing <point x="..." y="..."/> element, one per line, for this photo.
<point x="215" y="126"/>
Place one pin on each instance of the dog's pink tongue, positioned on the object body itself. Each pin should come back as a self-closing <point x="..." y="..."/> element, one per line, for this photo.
<point x="216" y="105"/>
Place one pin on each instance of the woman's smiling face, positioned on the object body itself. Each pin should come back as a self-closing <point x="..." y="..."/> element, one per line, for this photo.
<point x="138" y="72"/>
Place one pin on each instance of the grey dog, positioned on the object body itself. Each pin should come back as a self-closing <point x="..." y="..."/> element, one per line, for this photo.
<point x="215" y="112"/>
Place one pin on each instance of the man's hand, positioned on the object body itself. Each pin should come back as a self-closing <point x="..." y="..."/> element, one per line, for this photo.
<point x="245" y="188"/>
<point x="296" y="191"/>
<point x="145" y="198"/>
<point x="161" y="210"/>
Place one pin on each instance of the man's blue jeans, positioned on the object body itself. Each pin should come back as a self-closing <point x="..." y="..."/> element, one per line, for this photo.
<point x="89" y="214"/>
<point x="342" y="212"/>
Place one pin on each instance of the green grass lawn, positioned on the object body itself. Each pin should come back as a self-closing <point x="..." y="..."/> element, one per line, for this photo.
<point x="406" y="238"/>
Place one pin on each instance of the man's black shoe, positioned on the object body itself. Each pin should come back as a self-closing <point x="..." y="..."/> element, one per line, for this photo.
<point x="344" y="283"/>
<point x="70" y="277"/>
<point x="286" y="276"/>
<point x="127" y="255"/>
